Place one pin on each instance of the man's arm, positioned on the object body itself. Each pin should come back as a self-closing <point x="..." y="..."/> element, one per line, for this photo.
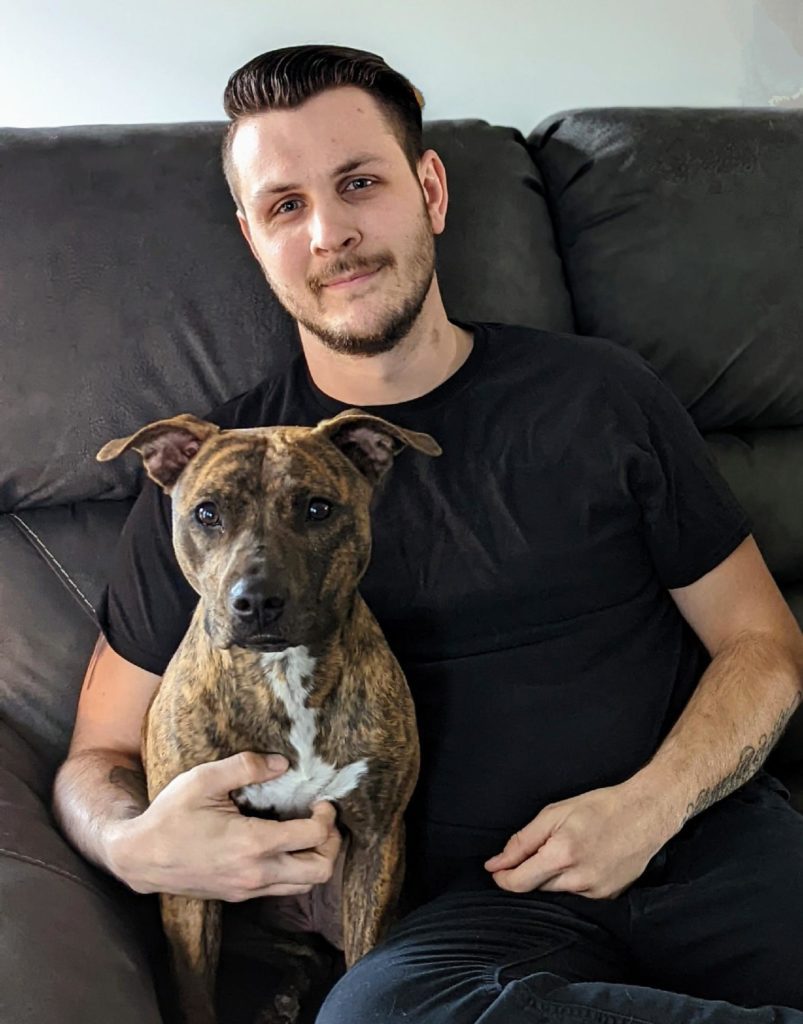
<point x="191" y="840"/>
<point x="744" y="699"/>
<point x="599" y="842"/>
<point x="102" y="782"/>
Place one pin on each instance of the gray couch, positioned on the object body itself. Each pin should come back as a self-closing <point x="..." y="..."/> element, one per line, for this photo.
<point x="127" y="294"/>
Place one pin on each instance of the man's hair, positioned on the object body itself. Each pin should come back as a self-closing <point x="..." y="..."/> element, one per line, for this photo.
<point x="284" y="79"/>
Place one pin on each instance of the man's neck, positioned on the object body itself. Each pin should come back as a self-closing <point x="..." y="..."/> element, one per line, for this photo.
<point x="417" y="365"/>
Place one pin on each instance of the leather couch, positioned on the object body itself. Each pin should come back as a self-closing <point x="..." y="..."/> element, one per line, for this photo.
<point x="127" y="294"/>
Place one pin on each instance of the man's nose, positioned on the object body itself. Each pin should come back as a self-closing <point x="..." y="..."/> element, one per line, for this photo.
<point x="253" y="602"/>
<point x="332" y="227"/>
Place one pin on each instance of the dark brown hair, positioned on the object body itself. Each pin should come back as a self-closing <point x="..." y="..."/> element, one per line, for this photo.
<point x="284" y="79"/>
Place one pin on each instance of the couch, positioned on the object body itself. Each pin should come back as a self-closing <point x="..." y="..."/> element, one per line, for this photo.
<point x="127" y="294"/>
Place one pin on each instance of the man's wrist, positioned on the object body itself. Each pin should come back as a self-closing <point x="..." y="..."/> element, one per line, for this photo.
<point x="661" y="804"/>
<point x="120" y="850"/>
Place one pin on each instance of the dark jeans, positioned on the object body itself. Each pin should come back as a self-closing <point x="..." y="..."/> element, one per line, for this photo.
<point x="713" y="926"/>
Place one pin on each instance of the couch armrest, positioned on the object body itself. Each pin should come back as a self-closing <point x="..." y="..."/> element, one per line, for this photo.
<point x="76" y="946"/>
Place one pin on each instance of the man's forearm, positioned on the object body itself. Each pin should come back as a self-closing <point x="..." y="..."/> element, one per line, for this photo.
<point x="738" y="712"/>
<point x="93" y="793"/>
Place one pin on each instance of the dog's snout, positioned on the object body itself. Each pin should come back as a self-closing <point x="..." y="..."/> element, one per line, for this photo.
<point x="252" y="602"/>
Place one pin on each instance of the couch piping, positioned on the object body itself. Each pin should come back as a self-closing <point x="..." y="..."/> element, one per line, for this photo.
<point x="25" y="858"/>
<point x="54" y="562"/>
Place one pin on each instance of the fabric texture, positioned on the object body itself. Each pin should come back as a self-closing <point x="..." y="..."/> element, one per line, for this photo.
<point x="529" y="566"/>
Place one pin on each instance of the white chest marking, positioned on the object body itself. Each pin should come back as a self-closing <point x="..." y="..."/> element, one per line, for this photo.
<point x="312" y="779"/>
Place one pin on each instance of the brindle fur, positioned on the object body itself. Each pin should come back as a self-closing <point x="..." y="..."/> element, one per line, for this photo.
<point x="213" y="700"/>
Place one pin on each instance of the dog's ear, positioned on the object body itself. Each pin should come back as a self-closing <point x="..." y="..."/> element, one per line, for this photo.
<point x="166" y="446"/>
<point x="371" y="442"/>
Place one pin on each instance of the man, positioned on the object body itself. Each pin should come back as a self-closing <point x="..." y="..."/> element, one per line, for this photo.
<point x="600" y="659"/>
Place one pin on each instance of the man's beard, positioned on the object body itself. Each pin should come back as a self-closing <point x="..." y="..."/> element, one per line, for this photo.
<point x="396" y="323"/>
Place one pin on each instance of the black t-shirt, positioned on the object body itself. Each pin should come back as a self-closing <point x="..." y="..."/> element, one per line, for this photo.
<point x="520" y="578"/>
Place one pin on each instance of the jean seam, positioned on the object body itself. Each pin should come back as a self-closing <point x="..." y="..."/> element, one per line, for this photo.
<point x="590" y="1013"/>
<point x="587" y="1013"/>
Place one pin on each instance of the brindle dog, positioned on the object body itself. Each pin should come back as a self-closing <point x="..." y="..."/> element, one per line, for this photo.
<point x="271" y="527"/>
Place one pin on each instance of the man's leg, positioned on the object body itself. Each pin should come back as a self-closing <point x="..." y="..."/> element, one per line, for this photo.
<point x="539" y="958"/>
<point x="452" y="960"/>
<point x="723" y="917"/>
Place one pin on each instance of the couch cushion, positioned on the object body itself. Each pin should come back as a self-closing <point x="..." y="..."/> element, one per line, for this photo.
<point x="47" y="626"/>
<point x="127" y="292"/>
<point x="765" y="471"/>
<point x="680" y="235"/>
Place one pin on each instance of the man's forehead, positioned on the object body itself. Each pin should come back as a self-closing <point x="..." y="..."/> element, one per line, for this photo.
<point x="282" y="147"/>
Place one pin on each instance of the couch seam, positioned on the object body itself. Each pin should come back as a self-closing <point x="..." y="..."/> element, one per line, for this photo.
<point x="25" y="858"/>
<point x="41" y="544"/>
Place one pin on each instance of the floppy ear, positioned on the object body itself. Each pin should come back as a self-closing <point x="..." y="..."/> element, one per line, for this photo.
<point x="166" y="446"/>
<point x="371" y="443"/>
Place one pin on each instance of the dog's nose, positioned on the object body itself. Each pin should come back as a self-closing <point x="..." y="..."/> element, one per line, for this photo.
<point x="252" y="603"/>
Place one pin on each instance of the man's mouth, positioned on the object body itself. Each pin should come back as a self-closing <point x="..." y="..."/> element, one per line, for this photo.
<point x="355" y="281"/>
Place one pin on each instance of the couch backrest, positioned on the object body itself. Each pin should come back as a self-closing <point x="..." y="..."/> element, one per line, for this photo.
<point x="127" y="293"/>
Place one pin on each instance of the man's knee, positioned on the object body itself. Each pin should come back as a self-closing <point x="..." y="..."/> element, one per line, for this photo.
<point x="386" y="988"/>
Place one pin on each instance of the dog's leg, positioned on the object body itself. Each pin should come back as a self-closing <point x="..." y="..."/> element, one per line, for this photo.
<point x="192" y="927"/>
<point x="372" y="880"/>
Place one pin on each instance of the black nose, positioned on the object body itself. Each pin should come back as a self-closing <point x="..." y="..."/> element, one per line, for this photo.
<point x="252" y="603"/>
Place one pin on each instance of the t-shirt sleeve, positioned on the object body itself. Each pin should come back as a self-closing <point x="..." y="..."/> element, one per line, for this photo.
<point x="147" y="604"/>
<point x="692" y="519"/>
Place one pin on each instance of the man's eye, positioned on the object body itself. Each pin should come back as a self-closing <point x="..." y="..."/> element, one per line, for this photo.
<point x="281" y="208"/>
<point x="318" y="509"/>
<point x="369" y="180"/>
<point x="207" y="514"/>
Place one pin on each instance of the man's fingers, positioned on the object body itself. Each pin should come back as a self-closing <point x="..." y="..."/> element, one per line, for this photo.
<point x="298" y="833"/>
<point x="279" y="889"/>
<point x="523" y="844"/>
<point x="218" y="778"/>
<point x="325" y="813"/>
<point x="528" y="876"/>
<point x="533" y="872"/>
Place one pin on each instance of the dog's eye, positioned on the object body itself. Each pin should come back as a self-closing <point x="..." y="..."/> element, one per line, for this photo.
<point x="318" y="509"/>
<point x="207" y="514"/>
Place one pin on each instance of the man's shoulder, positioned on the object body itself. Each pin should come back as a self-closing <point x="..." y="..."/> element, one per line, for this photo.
<point x="521" y="346"/>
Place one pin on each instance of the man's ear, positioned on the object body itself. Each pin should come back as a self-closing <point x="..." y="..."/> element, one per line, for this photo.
<point x="371" y="443"/>
<point x="166" y="446"/>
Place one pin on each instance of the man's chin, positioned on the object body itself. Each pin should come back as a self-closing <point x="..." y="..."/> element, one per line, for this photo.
<point x="358" y="338"/>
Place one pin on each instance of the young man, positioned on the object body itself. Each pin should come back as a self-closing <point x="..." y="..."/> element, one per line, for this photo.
<point x="599" y="657"/>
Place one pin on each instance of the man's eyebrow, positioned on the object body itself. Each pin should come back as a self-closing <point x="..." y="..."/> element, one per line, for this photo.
<point x="352" y="164"/>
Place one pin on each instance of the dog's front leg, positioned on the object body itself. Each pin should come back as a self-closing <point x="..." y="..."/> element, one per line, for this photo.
<point x="192" y="927"/>
<point x="372" y="878"/>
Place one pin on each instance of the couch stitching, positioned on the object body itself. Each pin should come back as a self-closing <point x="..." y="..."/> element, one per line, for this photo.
<point x="15" y="855"/>
<point x="38" y="540"/>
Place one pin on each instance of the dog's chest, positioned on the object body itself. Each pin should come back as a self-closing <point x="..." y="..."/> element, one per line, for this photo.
<point x="312" y="779"/>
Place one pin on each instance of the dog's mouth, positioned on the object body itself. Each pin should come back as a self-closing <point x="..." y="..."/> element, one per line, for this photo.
<point x="263" y="642"/>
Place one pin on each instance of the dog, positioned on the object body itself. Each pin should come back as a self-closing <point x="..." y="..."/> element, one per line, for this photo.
<point x="271" y="527"/>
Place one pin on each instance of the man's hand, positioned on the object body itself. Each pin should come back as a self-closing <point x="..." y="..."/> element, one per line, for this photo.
<point x="193" y="841"/>
<point x="596" y="844"/>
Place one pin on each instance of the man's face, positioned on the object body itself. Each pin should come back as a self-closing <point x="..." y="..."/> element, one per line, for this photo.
<point x="327" y="221"/>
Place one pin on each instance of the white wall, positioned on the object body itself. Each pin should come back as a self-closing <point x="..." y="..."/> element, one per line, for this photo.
<point x="507" y="61"/>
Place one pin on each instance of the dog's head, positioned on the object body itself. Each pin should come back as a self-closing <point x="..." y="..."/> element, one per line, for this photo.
<point x="271" y="525"/>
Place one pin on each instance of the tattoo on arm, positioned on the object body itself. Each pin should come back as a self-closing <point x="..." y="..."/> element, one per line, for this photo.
<point x="750" y="761"/>
<point x="133" y="783"/>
